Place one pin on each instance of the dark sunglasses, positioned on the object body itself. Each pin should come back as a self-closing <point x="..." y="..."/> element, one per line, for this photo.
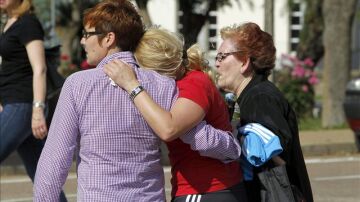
<point x="86" y="34"/>
<point x="221" y="56"/>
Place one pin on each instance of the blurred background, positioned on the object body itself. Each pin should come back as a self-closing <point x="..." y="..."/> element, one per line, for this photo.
<point x="317" y="68"/>
<point x="317" y="41"/>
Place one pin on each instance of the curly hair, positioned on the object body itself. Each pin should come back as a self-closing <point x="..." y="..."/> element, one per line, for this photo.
<point x="254" y="43"/>
<point x="120" y="17"/>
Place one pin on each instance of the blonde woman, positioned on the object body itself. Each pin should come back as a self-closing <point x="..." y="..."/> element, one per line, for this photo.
<point x="194" y="177"/>
<point x="22" y="84"/>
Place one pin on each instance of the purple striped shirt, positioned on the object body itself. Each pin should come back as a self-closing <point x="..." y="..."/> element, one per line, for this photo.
<point x="118" y="153"/>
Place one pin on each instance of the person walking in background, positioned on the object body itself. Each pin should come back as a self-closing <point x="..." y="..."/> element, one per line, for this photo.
<point x="244" y="61"/>
<point x="195" y="177"/>
<point x="22" y="84"/>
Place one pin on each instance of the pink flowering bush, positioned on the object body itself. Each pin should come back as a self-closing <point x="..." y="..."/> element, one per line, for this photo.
<point x="296" y="80"/>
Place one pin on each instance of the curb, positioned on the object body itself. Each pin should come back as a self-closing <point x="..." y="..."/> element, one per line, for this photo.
<point x="328" y="142"/>
<point x="333" y="149"/>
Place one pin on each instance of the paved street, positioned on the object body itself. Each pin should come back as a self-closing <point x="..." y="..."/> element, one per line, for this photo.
<point x="18" y="188"/>
<point x="333" y="179"/>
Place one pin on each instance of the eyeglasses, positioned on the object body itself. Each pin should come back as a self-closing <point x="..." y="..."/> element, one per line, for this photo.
<point x="221" y="56"/>
<point x="86" y="34"/>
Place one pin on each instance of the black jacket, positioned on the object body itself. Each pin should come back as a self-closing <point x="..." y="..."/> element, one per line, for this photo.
<point x="263" y="103"/>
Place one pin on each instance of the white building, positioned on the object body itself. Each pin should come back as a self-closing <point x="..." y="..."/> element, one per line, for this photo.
<point x="287" y="24"/>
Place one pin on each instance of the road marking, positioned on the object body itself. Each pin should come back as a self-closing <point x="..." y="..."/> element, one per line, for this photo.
<point x="345" y="177"/>
<point x="331" y="160"/>
<point x="18" y="200"/>
<point x="68" y="196"/>
<point x="27" y="179"/>
<point x="71" y="176"/>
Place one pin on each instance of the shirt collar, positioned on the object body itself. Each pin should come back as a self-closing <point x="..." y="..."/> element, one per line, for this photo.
<point x="258" y="78"/>
<point x="125" y="56"/>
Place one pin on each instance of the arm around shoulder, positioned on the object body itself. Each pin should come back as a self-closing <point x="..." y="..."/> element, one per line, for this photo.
<point x="213" y="143"/>
<point x="183" y="116"/>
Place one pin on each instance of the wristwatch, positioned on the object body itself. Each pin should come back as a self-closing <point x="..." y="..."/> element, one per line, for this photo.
<point x="38" y="104"/>
<point x="136" y="92"/>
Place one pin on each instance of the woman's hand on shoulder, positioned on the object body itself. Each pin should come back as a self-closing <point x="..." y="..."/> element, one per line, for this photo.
<point x="38" y="123"/>
<point x="122" y="74"/>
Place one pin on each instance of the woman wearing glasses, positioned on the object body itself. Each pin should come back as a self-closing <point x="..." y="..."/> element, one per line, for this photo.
<point x="22" y="84"/>
<point x="244" y="61"/>
<point x="194" y="177"/>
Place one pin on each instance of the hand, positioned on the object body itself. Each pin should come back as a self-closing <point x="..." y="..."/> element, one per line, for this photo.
<point x="122" y="74"/>
<point x="38" y="123"/>
<point x="1" y="108"/>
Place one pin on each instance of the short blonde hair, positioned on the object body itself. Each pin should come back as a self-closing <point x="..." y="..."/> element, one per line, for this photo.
<point x="24" y="7"/>
<point x="162" y="51"/>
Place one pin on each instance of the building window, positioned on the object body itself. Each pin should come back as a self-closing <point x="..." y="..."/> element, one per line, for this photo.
<point x="210" y="26"/>
<point x="296" y="19"/>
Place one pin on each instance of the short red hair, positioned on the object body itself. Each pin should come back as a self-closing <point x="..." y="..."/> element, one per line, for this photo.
<point x="254" y="43"/>
<point x="120" y="17"/>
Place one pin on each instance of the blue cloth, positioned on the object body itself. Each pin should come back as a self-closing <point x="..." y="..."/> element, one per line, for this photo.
<point x="247" y="168"/>
<point x="15" y="128"/>
<point x="16" y="135"/>
<point x="259" y="145"/>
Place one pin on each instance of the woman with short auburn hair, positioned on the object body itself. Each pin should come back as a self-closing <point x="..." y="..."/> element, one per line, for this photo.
<point x="244" y="61"/>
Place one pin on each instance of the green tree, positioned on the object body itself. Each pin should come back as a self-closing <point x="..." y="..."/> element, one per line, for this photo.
<point x="43" y="11"/>
<point x="311" y="43"/>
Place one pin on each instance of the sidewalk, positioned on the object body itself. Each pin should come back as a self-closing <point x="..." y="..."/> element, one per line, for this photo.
<point x="327" y="142"/>
<point x="313" y="143"/>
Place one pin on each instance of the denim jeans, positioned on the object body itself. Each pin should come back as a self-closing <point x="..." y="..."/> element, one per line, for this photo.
<point x="16" y="134"/>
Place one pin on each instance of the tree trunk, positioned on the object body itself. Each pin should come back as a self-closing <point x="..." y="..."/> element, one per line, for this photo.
<point x="142" y="5"/>
<point x="269" y="17"/>
<point x="146" y="17"/>
<point x="338" y="17"/>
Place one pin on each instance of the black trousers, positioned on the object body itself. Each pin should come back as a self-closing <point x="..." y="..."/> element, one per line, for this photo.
<point x="235" y="193"/>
